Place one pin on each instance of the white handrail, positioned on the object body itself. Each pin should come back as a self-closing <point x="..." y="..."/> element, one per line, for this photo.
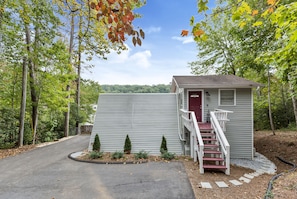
<point x="196" y="144"/>
<point x="222" y="116"/>
<point x="188" y="120"/>
<point x="225" y="146"/>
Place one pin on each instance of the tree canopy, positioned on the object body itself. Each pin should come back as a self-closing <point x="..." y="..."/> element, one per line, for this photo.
<point x="252" y="39"/>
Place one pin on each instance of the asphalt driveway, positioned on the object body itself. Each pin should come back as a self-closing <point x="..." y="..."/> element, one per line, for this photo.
<point x="47" y="173"/>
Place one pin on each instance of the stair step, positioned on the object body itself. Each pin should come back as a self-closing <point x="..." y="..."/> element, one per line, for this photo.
<point x="212" y="159"/>
<point x="210" y="166"/>
<point x="209" y="139"/>
<point x="212" y="152"/>
<point x="207" y="134"/>
<point x="208" y="130"/>
<point x="211" y="146"/>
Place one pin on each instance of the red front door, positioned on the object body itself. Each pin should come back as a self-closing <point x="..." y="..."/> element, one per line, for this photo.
<point x="195" y="104"/>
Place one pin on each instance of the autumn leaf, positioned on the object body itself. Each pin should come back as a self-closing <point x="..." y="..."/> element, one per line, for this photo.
<point x="270" y="10"/>
<point x="111" y="1"/>
<point x="134" y="41"/>
<point x="138" y="41"/>
<point x="271" y="2"/>
<point x="141" y="33"/>
<point x="184" y="33"/>
<point x="255" y="12"/>
<point x="118" y="20"/>
<point x="198" y="33"/>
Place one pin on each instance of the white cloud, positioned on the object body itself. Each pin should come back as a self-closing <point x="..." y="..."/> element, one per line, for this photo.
<point x="159" y="72"/>
<point x="141" y="58"/>
<point x="184" y="40"/>
<point x="152" y="29"/>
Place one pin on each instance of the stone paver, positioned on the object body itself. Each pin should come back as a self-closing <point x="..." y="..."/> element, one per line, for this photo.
<point x="260" y="165"/>
<point x="206" y="185"/>
<point x="246" y="180"/>
<point x="248" y="176"/>
<point x="235" y="182"/>
<point x="255" y="174"/>
<point x="221" y="184"/>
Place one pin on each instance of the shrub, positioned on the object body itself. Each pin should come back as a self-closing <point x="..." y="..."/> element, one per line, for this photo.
<point x="117" y="155"/>
<point x="141" y="155"/>
<point x="96" y="145"/>
<point x="167" y="155"/>
<point x="96" y="154"/>
<point x="127" y="146"/>
<point x="163" y="147"/>
<point x="7" y="145"/>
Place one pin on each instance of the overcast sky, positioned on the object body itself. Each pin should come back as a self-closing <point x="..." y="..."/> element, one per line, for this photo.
<point x="163" y="53"/>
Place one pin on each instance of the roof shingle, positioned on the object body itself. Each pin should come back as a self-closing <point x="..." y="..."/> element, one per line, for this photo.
<point x="212" y="81"/>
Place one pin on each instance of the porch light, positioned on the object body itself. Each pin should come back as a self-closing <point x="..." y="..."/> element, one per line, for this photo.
<point x="207" y="94"/>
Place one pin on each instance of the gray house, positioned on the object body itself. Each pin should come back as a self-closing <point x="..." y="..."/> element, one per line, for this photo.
<point x="209" y="118"/>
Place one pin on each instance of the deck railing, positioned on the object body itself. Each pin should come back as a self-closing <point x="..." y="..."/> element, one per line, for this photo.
<point x="189" y="120"/>
<point x="223" y="142"/>
<point x="218" y="120"/>
<point x="222" y="116"/>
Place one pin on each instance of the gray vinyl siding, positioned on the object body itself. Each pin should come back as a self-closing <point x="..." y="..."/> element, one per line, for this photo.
<point x="144" y="117"/>
<point x="239" y="130"/>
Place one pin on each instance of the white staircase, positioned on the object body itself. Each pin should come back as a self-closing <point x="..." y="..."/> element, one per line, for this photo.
<point x="207" y="140"/>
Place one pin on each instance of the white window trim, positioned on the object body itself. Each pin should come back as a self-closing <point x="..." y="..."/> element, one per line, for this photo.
<point x="219" y="100"/>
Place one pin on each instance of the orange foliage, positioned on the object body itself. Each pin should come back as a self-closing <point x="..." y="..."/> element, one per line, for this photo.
<point x="271" y="2"/>
<point x="198" y="33"/>
<point x="184" y="33"/>
<point x="255" y="12"/>
<point x="119" y="16"/>
<point x="270" y="10"/>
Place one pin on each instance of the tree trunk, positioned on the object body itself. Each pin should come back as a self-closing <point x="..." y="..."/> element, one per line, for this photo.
<point x="78" y="76"/>
<point x="294" y="102"/>
<point x="67" y="114"/>
<point x="23" y="102"/>
<point x="269" y="105"/>
<point x="34" y="97"/>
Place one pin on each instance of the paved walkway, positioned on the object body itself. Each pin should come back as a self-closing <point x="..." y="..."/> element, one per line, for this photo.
<point x="260" y="165"/>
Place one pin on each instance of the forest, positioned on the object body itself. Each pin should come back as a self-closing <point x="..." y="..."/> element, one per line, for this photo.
<point x="45" y="44"/>
<point x="160" y="88"/>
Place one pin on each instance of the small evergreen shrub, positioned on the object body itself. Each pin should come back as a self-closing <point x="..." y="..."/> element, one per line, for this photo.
<point x="163" y="147"/>
<point x="141" y="155"/>
<point x="96" y="154"/>
<point x="127" y="146"/>
<point x="167" y="155"/>
<point x="117" y="155"/>
<point x="96" y="144"/>
<point x="7" y="145"/>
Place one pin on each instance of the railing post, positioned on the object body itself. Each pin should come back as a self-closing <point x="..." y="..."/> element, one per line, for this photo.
<point x="227" y="172"/>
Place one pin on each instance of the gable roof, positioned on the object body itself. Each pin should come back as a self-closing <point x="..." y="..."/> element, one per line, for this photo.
<point x="211" y="81"/>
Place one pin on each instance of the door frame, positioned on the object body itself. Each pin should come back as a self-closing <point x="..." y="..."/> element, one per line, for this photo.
<point x="202" y="101"/>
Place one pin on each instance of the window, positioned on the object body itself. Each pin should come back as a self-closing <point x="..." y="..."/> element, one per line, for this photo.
<point x="227" y="97"/>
